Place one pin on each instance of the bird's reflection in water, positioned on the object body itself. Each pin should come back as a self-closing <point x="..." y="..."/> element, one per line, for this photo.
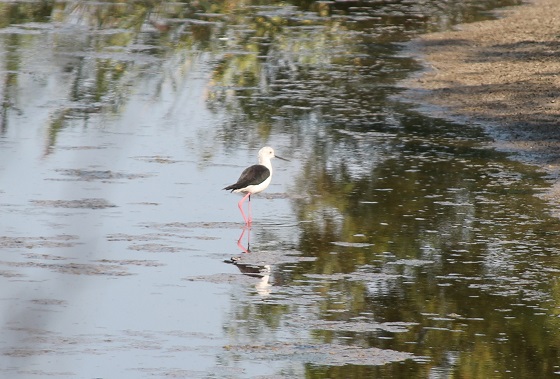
<point x="240" y="240"/>
<point x="262" y="272"/>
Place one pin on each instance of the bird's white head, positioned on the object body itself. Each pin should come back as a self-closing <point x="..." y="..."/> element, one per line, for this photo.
<point x="266" y="154"/>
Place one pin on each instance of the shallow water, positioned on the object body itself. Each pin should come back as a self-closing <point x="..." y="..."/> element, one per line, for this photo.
<point x="393" y="244"/>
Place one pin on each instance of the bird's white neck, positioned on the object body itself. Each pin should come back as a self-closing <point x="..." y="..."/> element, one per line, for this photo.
<point x="266" y="163"/>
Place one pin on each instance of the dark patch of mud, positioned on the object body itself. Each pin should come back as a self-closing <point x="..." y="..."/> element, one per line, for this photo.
<point x="61" y="147"/>
<point x="262" y="258"/>
<point x="361" y="326"/>
<point x="45" y="256"/>
<point x="176" y="230"/>
<point x="322" y="354"/>
<point x="10" y="274"/>
<point x="135" y="237"/>
<point x="156" y="248"/>
<point x="53" y="374"/>
<point x="100" y="175"/>
<point x="132" y="262"/>
<point x="222" y="278"/>
<point x="156" y="159"/>
<point x="63" y="240"/>
<point x="93" y="203"/>
<point x="274" y="195"/>
<point x="73" y="268"/>
<point x="48" y="302"/>
<point x="181" y="226"/>
<point x="177" y="373"/>
<point x="36" y="342"/>
<point x="168" y="242"/>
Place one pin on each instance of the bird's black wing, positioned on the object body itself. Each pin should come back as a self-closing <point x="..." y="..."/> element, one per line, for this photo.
<point x="252" y="175"/>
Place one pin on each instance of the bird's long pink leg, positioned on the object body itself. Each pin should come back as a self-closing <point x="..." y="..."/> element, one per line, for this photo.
<point x="249" y="211"/>
<point x="240" y="205"/>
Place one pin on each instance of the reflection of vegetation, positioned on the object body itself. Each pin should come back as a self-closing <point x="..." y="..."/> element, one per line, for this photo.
<point x="11" y="65"/>
<point x="476" y="292"/>
<point x="104" y="47"/>
<point x="299" y="56"/>
<point x="16" y="13"/>
<point x="420" y="206"/>
<point x="268" y="45"/>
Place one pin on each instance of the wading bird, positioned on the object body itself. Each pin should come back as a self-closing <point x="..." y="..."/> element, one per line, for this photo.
<point x="254" y="179"/>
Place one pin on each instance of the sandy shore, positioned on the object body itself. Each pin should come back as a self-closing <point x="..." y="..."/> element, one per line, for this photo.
<point x="504" y="74"/>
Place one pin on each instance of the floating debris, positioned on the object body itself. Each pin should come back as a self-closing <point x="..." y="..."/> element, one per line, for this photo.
<point x="83" y="203"/>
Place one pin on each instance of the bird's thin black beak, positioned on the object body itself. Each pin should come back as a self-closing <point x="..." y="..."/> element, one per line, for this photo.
<point x="284" y="159"/>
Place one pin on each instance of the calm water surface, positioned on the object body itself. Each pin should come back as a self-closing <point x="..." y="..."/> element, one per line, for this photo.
<point x="393" y="244"/>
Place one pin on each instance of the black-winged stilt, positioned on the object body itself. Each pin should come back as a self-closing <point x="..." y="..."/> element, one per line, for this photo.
<point x="254" y="179"/>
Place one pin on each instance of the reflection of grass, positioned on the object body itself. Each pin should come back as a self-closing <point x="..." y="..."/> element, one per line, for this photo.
<point x="56" y="124"/>
<point x="19" y="13"/>
<point x="103" y="47"/>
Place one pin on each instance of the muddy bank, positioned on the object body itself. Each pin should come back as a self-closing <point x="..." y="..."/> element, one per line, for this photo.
<point x="504" y="74"/>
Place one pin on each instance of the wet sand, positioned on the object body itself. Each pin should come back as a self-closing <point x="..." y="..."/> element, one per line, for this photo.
<point x="503" y="74"/>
